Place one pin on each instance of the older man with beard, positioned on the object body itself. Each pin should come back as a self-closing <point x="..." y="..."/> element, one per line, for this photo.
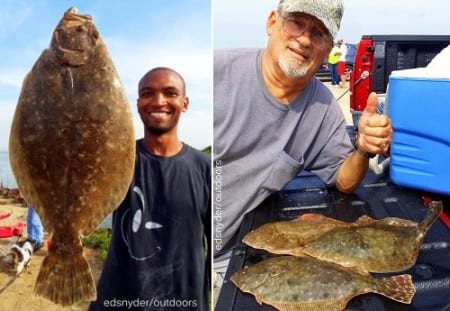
<point x="273" y="119"/>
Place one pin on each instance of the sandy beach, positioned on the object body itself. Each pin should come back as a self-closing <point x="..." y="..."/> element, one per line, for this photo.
<point x="18" y="295"/>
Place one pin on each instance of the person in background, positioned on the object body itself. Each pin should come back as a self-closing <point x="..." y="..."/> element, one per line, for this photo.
<point x="158" y="258"/>
<point x="35" y="230"/>
<point x="341" y="63"/>
<point x="333" y="59"/>
<point x="274" y="119"/>
<point x="24" y="250"/>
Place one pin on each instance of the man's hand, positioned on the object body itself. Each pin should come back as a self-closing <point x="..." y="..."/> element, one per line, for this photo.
<point x="375" y="130"/>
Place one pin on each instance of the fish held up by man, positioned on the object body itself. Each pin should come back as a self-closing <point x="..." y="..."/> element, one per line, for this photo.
<point x="72" y="150"/>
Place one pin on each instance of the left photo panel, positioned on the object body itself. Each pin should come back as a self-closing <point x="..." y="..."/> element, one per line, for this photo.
<point x="105" y="155"/>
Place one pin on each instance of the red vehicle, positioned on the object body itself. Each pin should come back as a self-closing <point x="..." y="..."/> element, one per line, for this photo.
<point x="378" y="55"/>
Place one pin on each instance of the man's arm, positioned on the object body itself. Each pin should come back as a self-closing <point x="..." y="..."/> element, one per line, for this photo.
<point x="374" y="137"/>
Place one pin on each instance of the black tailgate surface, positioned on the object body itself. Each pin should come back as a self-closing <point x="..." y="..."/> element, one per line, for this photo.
<point x="377" y="197"/>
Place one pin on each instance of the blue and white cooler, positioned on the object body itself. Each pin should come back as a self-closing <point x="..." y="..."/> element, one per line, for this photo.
<point x="419" y="108"/>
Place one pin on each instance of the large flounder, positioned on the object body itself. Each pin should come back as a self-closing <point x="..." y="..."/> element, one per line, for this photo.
<point x="386" y="245"/>
<point x="72" y="150"/>
<point x="289" y="237"/>
<point x="305" y="284"/>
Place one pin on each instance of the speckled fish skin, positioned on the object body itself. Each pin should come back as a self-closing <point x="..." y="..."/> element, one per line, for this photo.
<point x="306" y="284"/>
<point x="72" y="150"/>
<point x="387" y="245"/>
<point x="289" y="237"/>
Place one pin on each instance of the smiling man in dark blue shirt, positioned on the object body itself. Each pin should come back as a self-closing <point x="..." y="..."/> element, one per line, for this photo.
<point x="157" y="257"/>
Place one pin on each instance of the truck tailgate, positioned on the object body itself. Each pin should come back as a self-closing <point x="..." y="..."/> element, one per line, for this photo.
<point x="377" y="197"/>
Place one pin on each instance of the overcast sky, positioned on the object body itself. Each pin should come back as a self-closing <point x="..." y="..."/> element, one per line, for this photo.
<point x="139" y="35"/>
<point x="241" y="23"/>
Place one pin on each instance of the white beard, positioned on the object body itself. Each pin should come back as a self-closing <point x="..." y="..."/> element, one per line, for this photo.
<point x="291" y="67"/>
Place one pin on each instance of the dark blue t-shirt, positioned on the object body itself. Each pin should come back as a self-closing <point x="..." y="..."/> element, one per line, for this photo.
<point x="156" y="259"/>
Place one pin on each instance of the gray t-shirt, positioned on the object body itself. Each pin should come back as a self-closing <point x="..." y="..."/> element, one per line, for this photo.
<point x="261" y="144"/>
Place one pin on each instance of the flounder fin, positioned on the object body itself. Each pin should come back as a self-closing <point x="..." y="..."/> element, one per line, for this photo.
<point x="65" y="280"/>
<point x="332" y="305"/>
<point x="311" y="217"/>
<point x="398" y="222"/>
<point x="365" y="220"/>
<point x="399" y="288"/>
<point x="359" y="270"/>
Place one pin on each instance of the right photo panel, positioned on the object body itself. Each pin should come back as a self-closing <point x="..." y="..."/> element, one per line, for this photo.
<point x="329" y="187"/>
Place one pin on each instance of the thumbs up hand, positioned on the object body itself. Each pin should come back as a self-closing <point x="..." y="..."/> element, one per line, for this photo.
<point x="375" y="131"/>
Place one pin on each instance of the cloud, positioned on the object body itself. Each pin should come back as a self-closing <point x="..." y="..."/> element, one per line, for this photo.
<point x="12" y="16"/>
<point x="176" y="37"/>
<point x="193" y="62"/>
<point x="12" y="77"/>
<point x="247" y="28"/>
<point x="6" y="114"/>
<point x="363" y="17"/>
<point x="195" y="128"/>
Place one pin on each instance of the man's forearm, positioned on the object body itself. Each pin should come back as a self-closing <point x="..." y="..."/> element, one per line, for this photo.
<point x="352" y="172"/>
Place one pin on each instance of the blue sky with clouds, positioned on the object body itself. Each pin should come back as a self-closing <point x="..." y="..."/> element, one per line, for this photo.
<point x="139" y="34"/>
<point x="248" y="17"/>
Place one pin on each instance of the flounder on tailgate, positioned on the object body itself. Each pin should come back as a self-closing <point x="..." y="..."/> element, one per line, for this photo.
<point x="305" y="284"/>
<point x="72" y="150"/>
<point x="289" y="237"/>
<point x="386" y="245"/>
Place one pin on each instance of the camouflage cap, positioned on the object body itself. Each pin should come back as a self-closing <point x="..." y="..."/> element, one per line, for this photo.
<point x="328" y="11"/>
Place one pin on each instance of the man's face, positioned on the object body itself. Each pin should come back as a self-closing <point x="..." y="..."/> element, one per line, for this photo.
<point x="161" y="101"/>
<point x="298" y="42"/>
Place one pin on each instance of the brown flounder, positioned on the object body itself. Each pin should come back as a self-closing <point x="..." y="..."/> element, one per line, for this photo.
<point x="289" y="237"/>
<point x="386" y="245"/>
<point x="72" y="150"/>
<point x="305" y="284"/>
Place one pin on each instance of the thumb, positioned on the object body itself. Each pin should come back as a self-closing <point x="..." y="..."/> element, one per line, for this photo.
<point x="372" y="102"/>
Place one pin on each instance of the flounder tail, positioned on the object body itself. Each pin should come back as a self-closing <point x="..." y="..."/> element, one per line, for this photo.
<point x="399" y="288"/>
<point x="65" y="276"/>
<point x="434" y="210"/>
